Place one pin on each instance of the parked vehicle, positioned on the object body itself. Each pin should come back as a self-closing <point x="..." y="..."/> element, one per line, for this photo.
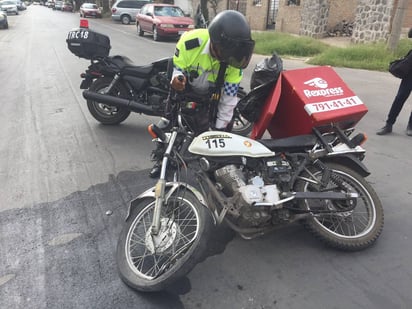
<point x="9" y="6"/>
<point x="90" y="10"/>
<point x="126" y="10"/>
<point x="67" y="7"/>
<point x="163" y="20"/>
<point x="116" y="87"/>
<point x="58" y="5"/>
<point x="20" y="5"/>
<point x="254" y="186"/>
<point x="3" y="20"/>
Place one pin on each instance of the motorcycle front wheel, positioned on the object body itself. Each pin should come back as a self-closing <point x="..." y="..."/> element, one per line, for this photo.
<point x="348" y="225"/>
<point x="240" y="125"/>
<point x="104" y="113"/>
<point x="148" y="262"/>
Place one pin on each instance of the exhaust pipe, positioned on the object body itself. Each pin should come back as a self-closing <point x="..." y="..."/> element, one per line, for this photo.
<point x="119" y="102"/>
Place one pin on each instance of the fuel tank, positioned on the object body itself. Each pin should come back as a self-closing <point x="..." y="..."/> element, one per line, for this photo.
<point x="223" y="144"/>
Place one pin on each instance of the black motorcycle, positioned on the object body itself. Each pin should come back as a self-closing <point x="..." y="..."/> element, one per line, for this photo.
<point x="115" y="87"/>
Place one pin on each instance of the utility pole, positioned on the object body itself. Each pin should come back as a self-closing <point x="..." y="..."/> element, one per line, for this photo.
<point x="397" y="24"/>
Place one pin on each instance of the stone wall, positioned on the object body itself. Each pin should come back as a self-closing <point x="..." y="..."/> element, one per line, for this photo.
<point x="341" y="10"/>
<point x="372" y="21"/>
<point x="314" y="18"/>
<point x="371" y="18"/>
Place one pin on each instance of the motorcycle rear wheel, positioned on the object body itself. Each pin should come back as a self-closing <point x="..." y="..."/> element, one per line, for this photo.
<point x="104" y="113"/>
<point x="352" y="230"/>
<point x="149" y="262"/>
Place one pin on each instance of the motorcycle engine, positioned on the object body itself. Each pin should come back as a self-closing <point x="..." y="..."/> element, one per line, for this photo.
<point x="254" y="199"/>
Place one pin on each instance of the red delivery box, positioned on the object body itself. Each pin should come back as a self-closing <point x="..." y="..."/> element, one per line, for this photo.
<point x="307" y="98"/>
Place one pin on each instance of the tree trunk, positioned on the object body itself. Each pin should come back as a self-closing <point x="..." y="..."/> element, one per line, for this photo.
<point x="397" y="25"/>
<point x="105" y="5"/>
<point x="205" y="11"/>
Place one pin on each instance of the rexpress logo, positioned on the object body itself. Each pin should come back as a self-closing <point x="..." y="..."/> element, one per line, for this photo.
<point x="324" y="91"/>
<point x="317" y="82"/>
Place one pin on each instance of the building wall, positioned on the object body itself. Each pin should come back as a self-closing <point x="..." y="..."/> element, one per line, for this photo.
<point x="256" y="14"/>
<point x="288" y="18"/>
<point x="314" y="18"/>
<point x="341" y="10"/>
<point x="372" y="21"/>
<point x="372" y="18"/>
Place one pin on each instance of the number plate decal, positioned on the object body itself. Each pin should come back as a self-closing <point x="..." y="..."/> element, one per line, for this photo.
<point x="80" y="34"/>
<point x="332" y="105"/>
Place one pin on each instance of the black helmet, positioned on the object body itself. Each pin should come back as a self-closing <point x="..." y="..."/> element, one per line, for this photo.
<point x="230" y="35"/>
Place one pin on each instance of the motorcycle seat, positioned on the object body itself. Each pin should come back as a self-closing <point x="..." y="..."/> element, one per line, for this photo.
<point x="290" y="143"/>
<point x="121" y="61"/>
<point x="128" y="68"/>
<point x="138" y="71"/>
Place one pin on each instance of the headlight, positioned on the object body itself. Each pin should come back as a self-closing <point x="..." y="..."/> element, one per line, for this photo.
<point x="191" y="26"/>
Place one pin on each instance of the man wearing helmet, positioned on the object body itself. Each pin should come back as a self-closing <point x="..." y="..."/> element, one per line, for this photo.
<point x="200" y="54"/>
<point x="213" y="59"/>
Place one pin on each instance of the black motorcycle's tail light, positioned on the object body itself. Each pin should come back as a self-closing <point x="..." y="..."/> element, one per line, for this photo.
<point x="84" y="23"/>
<point x="96" y="74"/>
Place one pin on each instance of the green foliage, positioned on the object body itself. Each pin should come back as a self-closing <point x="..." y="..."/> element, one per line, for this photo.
<point x="286" y="44"/>
<point x="374" y="56"/>
<point x="362" y="56"/>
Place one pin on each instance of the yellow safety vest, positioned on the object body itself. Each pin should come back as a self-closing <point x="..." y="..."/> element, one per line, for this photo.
<point x="192" y="56"/>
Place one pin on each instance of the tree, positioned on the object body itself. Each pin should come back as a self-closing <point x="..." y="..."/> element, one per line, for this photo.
<point x="397" y="24"/>
<point x="214" y="4"/>
<point x="203" y="7"/>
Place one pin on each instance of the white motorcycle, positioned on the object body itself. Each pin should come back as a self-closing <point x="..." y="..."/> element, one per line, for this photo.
<point x="253" y="186"/>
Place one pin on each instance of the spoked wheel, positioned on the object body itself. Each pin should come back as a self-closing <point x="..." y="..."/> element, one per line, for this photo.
<point x="107" y="114"/>
<point x="349" y="225"/>
<point x="241" y="125"/>
<point x="149" y="262"/>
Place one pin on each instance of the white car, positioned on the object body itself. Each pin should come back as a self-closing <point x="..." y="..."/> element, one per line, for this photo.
<point x="10" y="7"/>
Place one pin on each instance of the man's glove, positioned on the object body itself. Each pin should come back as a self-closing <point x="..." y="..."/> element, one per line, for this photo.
<point x="178" y="83"/>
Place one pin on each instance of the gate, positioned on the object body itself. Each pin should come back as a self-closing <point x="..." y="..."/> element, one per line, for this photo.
<point x="272" y="12"/>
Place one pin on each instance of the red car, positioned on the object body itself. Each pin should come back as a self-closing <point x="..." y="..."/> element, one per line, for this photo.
<point x="90" y="9"/>
<point x="163" y="20"/>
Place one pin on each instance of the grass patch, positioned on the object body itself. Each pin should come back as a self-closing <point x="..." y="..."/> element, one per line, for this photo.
<point x="286" y="44"/>
<point x="362" y="56"/>
<point x="374" y="56"/>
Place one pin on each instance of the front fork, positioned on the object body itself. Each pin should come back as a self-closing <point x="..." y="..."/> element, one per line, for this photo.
<point x="161" y="186"/>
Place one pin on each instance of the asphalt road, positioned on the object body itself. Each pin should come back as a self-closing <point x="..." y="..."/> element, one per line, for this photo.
<point x="61" y="172"/>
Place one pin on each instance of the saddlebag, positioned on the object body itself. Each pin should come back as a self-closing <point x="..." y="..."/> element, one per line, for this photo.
<point x="88" y="44"/>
